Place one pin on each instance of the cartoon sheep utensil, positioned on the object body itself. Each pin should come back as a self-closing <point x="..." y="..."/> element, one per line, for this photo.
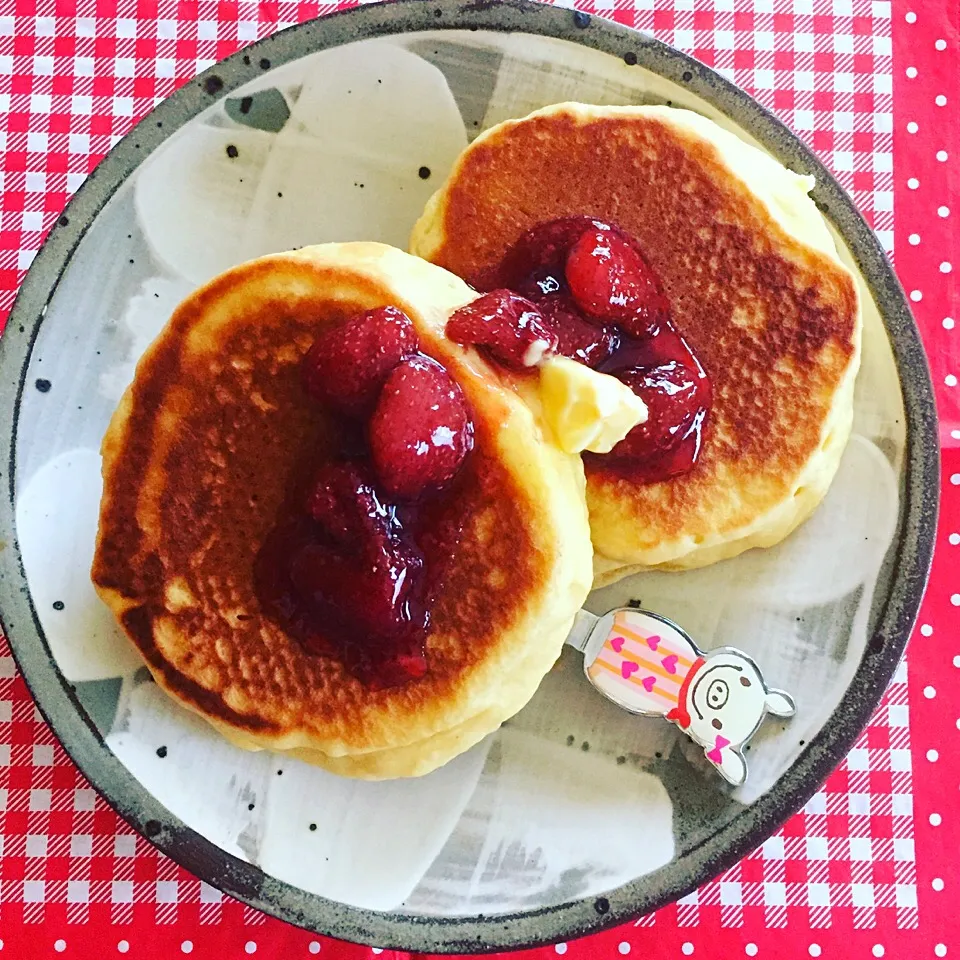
<point x="648" y="665"/>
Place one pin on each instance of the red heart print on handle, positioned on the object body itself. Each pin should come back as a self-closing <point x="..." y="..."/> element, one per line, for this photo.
<point x="649" y="666"/>
<point x="628" y="667"/>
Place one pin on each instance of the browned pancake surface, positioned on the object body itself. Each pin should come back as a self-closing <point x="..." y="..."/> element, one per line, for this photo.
<point x="194" y="482"/>
<point x="774" y="326"/>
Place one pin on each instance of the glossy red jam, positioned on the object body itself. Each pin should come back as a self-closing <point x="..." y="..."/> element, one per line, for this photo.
<point x="597" y="292"/>
<point x="361" y="544"/>
<point x="664" y="372"/>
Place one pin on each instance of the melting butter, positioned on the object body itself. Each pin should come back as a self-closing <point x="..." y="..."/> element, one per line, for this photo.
<point x="587" y="410"/>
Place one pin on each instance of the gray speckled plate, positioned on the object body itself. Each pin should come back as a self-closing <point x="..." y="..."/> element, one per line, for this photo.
<point x="131" y="243"/>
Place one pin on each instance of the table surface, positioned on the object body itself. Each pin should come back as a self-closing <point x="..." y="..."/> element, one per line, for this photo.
<point x="868" y="868"/>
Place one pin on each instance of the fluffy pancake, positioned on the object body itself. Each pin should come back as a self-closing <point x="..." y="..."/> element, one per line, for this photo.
<point x="755" y="284"/>
<point x="196" y="461"/>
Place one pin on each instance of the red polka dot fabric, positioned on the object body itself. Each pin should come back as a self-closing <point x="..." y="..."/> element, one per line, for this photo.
<point x="868" y="868"/>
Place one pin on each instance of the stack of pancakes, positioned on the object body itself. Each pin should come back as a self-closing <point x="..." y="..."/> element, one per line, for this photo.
<point x="198" y="456"/>
<point x="196" y="462"/>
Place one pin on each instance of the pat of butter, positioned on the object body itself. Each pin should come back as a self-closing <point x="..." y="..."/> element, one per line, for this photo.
<point x="587" y="410"/>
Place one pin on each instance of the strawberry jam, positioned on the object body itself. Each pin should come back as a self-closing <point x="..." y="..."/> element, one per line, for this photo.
<point x="665" y="373"/>
<point x="597" y="292"/>
<point x="363" y="540"/>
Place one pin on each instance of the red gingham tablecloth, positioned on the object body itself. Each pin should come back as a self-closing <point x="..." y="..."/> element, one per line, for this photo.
<point x="869" y="868"/>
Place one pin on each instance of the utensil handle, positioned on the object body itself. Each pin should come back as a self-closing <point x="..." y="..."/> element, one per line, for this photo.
<point x="583" y="625"/>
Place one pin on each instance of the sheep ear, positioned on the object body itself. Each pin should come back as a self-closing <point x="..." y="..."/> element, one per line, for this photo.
<point x="779" y="703"/>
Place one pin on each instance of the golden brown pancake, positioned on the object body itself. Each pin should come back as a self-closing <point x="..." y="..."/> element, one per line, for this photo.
<point x="756" y="288"/>
<point x="196" y="462"/>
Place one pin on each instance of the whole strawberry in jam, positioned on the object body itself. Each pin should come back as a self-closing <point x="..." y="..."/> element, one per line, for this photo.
<point x="348" y="363"/>
<point x="590" y="343"/>
<point x="610" y="280"/>
<point x="421" y="429"/>
<point x="508" y="326"/>
<point x="601" y="276"/>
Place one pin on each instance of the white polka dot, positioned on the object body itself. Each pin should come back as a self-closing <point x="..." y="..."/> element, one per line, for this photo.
<point x="955" y="434"/>
<point x="913" y="183"/>
<point x="916" y="295"/>
<point x="878" y="950"/>
<point x="948" y="323"/>
<point x="912" y="127"/>
<point x="911" y="72"/>
<point x="943" y="211"/>
<point x="314" y="947"/>
<point x="937" y="884"/>
<point x="935" y="819"/>
<point x="955" y="599"/>
<point x="942" y="156"/>
<point x="913" y="239"/>
<point x="60" y="945"/>
<point x="929" y="692"/>
<point x="814" y="950"/>
<point x="954" y="539"/>
<point x="624" y="947"/>
<point x="561" y="948"/>
<point x="933" y="756"/>
<point x="940" y="950"/>
<point x="955" y="477"/>
<point x="926" y="630"/>
<point x="186" y="947"/>
<point x="946" y="266"/>
<point x="687" y="949"/>
<point x="956" y="664"/>
<point x="950" y="380"/>
<point x="750" y="949"/>
<point x="123" y="946"/>
<point x="250" y="947"/>
<point x="910" y="17"/>
<point x="940" y="100"/>
<point x="941" y="44"/>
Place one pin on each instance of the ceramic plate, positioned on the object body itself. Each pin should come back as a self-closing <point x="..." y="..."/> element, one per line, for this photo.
<point x="574" y="816"/>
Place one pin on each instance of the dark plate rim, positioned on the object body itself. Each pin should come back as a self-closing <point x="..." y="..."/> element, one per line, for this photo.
<point x="892" y="616"/>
